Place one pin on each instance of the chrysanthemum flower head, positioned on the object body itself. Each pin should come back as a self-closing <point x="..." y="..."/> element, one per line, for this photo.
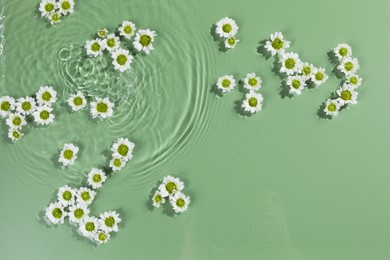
<point x="253" y="102"/>
<point x="332" y="107"/>
<point x="127" y="29"/>
<point x="26" y="105"/>
<point x="307" y="70"/>
<point x="319" y="77"/>
<point x="277" y="44"/>
<point x="95" y="47"/>
<point x="117" y="163"/>
<point x="121" y="59"/>
<point x="252" y="81"/>
<point x="47" y="7"/>
<point x="46" y="96"/>
<point x="296" y="83"/>
<point x="349" y="66"/>
<point x="77" y="213"/>
<point x="123" y="148"/>
<point x="354" y="80"/>
<point x="85" y="196"/>
<point x="290" y="63"/>
<point x="112" y="42"/>
<point x="144" y="40"/>
<point x="96" y="178"/>
<point x="54" y="18"/>
<point x="89" y="226"/>
<point x="109" y="221"/>
<point x="102" y="33"/>
<point x="68" y="154"/>
<point x="14" y="134"/>
<point x="102" y="237"/>
<point x="77" y="101"/>
<point x="226" y="27"/>
<point x="102" y="107"/>
<point x="170" y="186"/>
<point x="7" y="105"/>
<point x="179" y="202"/>
<point x="231" y="42"/>
<point x="16" y="121"/>
<point x="67" y="196"/>
<point x="226" y="83"/>
<point x="43" y="115"/>
<point x="347" y="94"/>
<point x="66" y="6"/>
<point x="158" y="199"/>
<point x="55" y="213"/>
<point x="342" y="51"/>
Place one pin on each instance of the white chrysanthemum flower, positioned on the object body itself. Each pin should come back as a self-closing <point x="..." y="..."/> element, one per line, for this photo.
<point x="319" y="77"/>
<point x="349" y="66"/>
<point x="43" y="115"/>
<point x="226" y="83"/>
<point x="307" y="70"/>
<point x="252" y="81"/>
<point x="77" y="101"/>
<point x="158" y="199"/>
<point x="143" y="40"/>
<point x="109" y="221"/>
<point x="54" y="18"/>
<point x="296" y="83"/>
<point x="14" y="134"/>
<point x="102" y="107"/>
<point x="170" y="186"/>
<point x="55" y="213"/>
<point x="127" y="29"/>
<point x="180" y="202"/>
<point x="47" y="7"/>
<point x="46" y="96"/>
<point x="342" y="51"/>
<point x="16" y="121"/>
<point x="78" y="212"/>
<point x="231" y="42"/>
<point x="277" y="44"/>
<point x="290" y="63"/>
<point x="96" y="178"/>
<point x="226" y="27"/>
<point x="7" y="105"/>
<point x="332" y="107"/>
<point x="102" y="33"/>
<point x="354" y="80"/>
<point x="89" y="226"/>
<point x="66" y="6"/>
<point x="123" y="148"/>
<point x="253" y="102"/>
<point x="26" y="105"/>
<point x="121" y="59"/>
<point x="66" y="195"/>
<point x="68" y="154"/>
<point x="85" y="196"/>
<point x="347" y="94"/>
<point x="95" y="47"/>
<point x="112" y="42"/>
<point x="117" y="163"/>
<point x="102" y="237"/>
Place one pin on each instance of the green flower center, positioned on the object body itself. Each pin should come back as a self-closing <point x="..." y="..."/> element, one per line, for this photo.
<point x="332" y="107"/>
<point x="44" y="115"/>
<point x="306" y="70"/>
<point x="277" y="44"/>
<point x="353" y="80"/>
<point x="90" y="226"/>
<point x="26" y="106"/>
<point x="252" y="82"/>
<point x="57" y="213"/>
<point x="46" y="96"/>
<point x="296" y="83"/>
<point x="128" y="29"/>
<point x="55" y="17"/>
<point x="158" y="199"/>
<point x="78" y="213"/>
<point x="117" y="163"/>
<point x="231" y="41"/>
<point x="121" y="59"/>
<point x="226" y="83"/>
<point x="85" y="195"/>
<point x="289" y="63"/>
<point x="102" y="237"/>
<point x="68" y="154"/>
<point x="49" y="7"/>
<point x="17" y="121"/>
<point x="346" y="95"/>
<point x="145" y="40"/>
<point x="102" y="107"/>
<point x="343" y="52"/>
<point x="16" y="134"/>
<point x="97" y="178"/>
<point x="348" y="66"/>
<point x="111" y="42"/>
<point x="252" y="102"/>
<point x="102" y="33"/>
<point x="78" y="101"/>
<point x="180" y="203"/>
<point x="65" y="5"/>
<point x="319" y="76"/>
<point x="170" y="187"/>
<point x="123" y="149"/>
<point x="95" y="46"/>
<point x="5" y="106"/>
<point x="227" y="28"/>
<point x="67" y="195"/>
<point x="110" y="221"/>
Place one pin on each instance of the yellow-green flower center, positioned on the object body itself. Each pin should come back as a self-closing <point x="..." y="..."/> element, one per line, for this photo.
<point x="226" y="83"/>
<point x="231" y="41"/>
<point x="111" y="42"/>
<point x="158" y="198"/>
<point x="346" y="95"/>
<point x="128" y="29"/>
<point x="296" y="83"/>
<point x="16" y="134"/>
<point x="49" y="7"/>
<point x="252" y="82"/>
<point x="171" y="187"/>
<point x="180" y="203"/>
<point x="102" y="107"/>
<point x="46" y="96"/>
<point x="110" y="221"/>
<point x="332" y="107"/>
<point x="252" y="102"/>
<point x="145" y="40"/>
<point x="121" y="59"/>
<point x="68" y="154"/>
<point x="97" y="178"/>
<point x="26" y="106"/>
<point x="319" y="76"/>
<point x="343" y="52"/>
<point x="348" y="66"/>
<point x="55" y="17"/>
<point x="289" y="63"/>
<point x="5" y="106"/>
<point x="90" y="226"/>
<point x="67" y="195"/>
<point x="95" y="47"/>
<point x="227" y="28"/>
<point x="78" y="101"/>
<point x="117" y="163"/>
<point x="44" y="115"/>
<point x="78" y="213"/>
<point x="277" y="44"/>
<point x="17" y="121"/>
<point x="102" y="33"/>
<point x="353" y="80"/>
<point x="102" y="237"/>
<point x="57" y="213"/>
<point x="65" y="5"/>
<point x="123" y="149"/>
<point x="85" y="195"/>
<point x="306" y="70"/>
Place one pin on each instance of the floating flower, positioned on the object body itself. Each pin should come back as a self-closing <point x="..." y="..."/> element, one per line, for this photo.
<point x="46" y="96"/>
<point x="252" y="81"/>
<point x="121" y="59"/>
<point x="66" y="6"/>
<point x="347" y="95"/>
<point x="123" y="148"/>
<point x="307" y="70"/>
<point x="102" y="107"/>
<point x="127" y="29"/>
<point x="77" y="101"/>
<point x="77" y="213"/>
<point x="277" y="44"/>
<point x="319" y="77"/>
<point x="85" y="196"/>
<point x="354" y="80"/>
<point x="47" y="7"/>
<point x="16" y="121"/>
<point x="226" y="83"/>
<point x="14" y="134"/>
<point x="342" y="51"/>
<point x="109" y="221"/>
<point x="231" y="42"/>
<point x="66" y="196"/>
<point x="96" y="178"/>
<point x="102" y="33"/>
<point x="226" y="27"/>
<point x="170" y="186"/>
<point x="7" y="105"/>
<point x="158" y="199"/>
<point x="94" y="48"/>
<point x="252" y="102"/>
<point x="112" y="42"/>
<point x="332" y="107"/>
<point x="55" y="213"/>
<point x="296" y="84"/>
<point x="89" y="226"/>
<point x="143" y="40"/>
<point x="179" y="202"/>
<point x="68" y="154"/>
<point x="290" y="63"/>
<point x="26" y="105"/>
<point x="348" y="65"/>
<point x="43" y="115"/>
<point x="117" y="163"/>
<point x="102" y="237"/>
<point x="55" y="18"/>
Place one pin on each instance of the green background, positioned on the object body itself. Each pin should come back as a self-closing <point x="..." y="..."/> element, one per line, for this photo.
<point x="282" y="184"/>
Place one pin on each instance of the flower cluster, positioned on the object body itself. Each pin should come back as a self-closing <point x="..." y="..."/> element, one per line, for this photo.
<point x="347" y="92"/>
<point x="100" y="108"/>
<point x="122" y="152"/>
<point x="171" y="189"/>
<point x="18" y="113"/>
<point x="253" y="100"/>
<point x="111" y="42"/>
<point x="226" y="28"/>
<point x="297" y="73"/>
<point x="54" y="10"/>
